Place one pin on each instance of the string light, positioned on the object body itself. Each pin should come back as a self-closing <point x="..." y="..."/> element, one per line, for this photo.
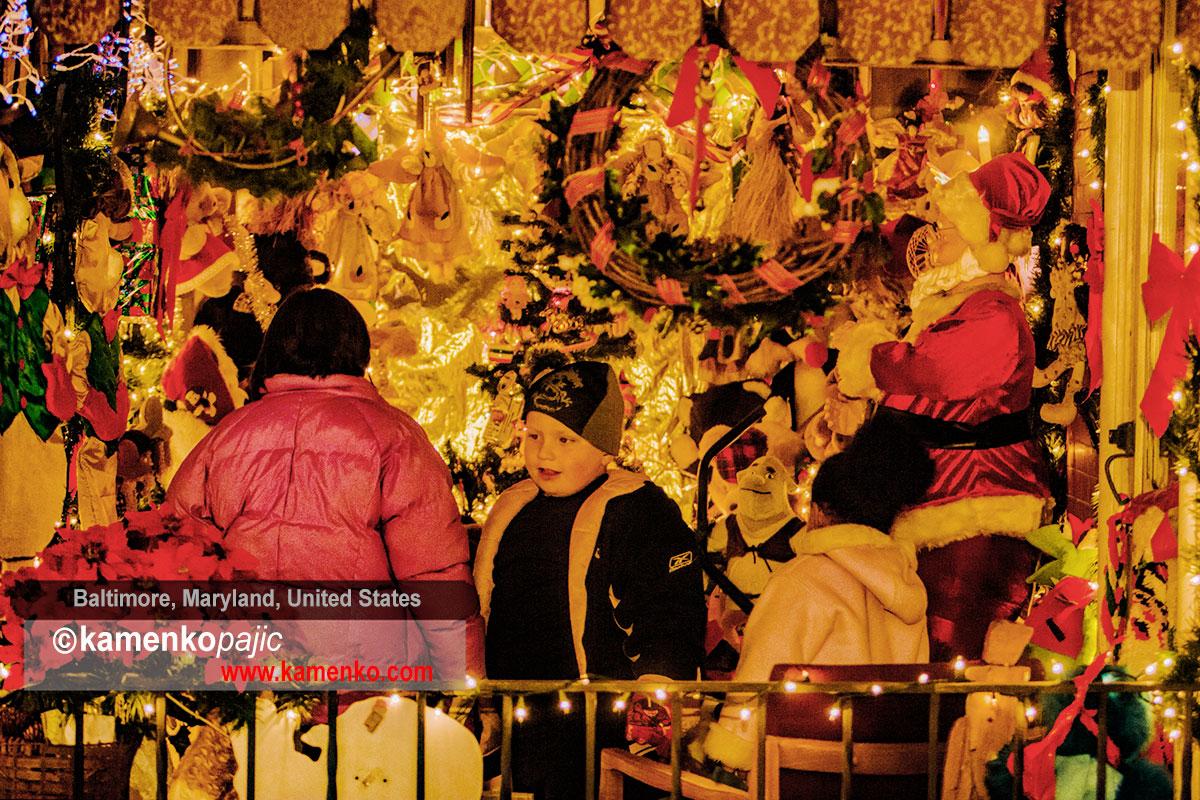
<point x="520" y="712"/>
<point x="564" y="703"/>
<point x="790" y="686"/>
<point x="1152" y="669"/>
<point x="835" y="712"/>
<point x="1030" y="713"/>
<point x="877" y="689"/>
<point x="1177" y="48"/>
<point x="660" y="694"/>
<point x="744" y="714"/>
<point x="619" y="704"/>
<point x="149" y="709"/>
<point x="1056" y="668"/>
<point x="923" y="677"/>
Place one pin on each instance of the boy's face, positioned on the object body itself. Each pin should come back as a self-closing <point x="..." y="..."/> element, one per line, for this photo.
<point x="559" y="460"/>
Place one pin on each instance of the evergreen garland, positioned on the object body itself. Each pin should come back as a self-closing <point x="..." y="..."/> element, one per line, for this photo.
<point x="1182" y="437"/>
<point x="299" y="121"/>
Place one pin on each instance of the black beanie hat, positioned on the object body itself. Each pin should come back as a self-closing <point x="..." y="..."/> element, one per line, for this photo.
<point x="584" y="396"/>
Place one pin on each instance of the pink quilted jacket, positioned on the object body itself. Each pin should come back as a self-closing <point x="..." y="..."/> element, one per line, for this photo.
<point x="322" y="480"/>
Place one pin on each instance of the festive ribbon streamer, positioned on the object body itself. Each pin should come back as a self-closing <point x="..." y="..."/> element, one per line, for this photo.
<point x="595" y="120"/>
<point x="778" y="278"/>
<point x="174" y="225"/>
<point x="1039" y="757"/>
<point x="686" y="105"/>
<point x="1057" y="619"/>
<point x="602" y="246"/>
<point x="1169" y="288"/>
<point x="670" y="290"/>
<point x="735" y="297"/>
<point x="1094" y="277"/>
<point x="580" y="184"/>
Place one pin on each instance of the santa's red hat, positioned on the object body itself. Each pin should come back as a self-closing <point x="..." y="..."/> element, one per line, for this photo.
<point x="202" y="378"/>
<point x="1014" y="191"/>
<point x="1035" y="72"/>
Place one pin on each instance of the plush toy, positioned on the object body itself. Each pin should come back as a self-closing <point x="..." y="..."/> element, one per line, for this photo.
<point x="764" y="532"/>
<point x="1130" y="775"/>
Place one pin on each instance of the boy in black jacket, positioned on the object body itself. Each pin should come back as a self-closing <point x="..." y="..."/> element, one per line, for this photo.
<point x="583" y="570"/>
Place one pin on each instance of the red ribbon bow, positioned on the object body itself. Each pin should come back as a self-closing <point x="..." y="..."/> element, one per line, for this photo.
<point x="1169" y="288"/>
<point x="23" y="275"/>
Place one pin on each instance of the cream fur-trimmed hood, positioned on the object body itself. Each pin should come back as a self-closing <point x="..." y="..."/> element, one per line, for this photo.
<point x="871" y="557"/>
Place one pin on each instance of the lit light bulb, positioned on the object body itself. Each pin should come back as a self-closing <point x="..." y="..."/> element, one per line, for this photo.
<point x="1094" y="185"/>
<point x="471" y="682"/>
<point x="1176" y="397"/>
<point x="877" y="689"/>
<point x="1180" y="125"/>
<point x="923" y="677"/>
<point x="149" y="709"/>
<point x="744" y="714"/>
<point x="1177" y="48"/>
<point x="660" y="694"/>
<point x="618" y="705"/>
<point x="1151" y="669"/>
<point x="1084" y="153"/>
<point x="565" y="705"/>
<point x="790" y="686"/>
<point x="520" y="712"/>
<point x="1056" y="668"/>
<point x="1168" y="662"/>
<point x="1030" y="713"/>
<point x="835" y="712"/>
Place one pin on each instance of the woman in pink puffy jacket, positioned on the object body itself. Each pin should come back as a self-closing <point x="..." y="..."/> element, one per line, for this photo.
<point x="322" y="480"/>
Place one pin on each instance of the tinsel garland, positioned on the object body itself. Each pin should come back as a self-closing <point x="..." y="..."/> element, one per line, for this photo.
<point x="259" y="131"/>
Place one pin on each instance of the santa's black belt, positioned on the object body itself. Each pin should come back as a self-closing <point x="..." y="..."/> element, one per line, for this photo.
<point x="940" y="434"/>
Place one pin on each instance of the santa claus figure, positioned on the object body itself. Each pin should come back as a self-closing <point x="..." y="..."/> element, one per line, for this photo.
<point x="961" y="380"/>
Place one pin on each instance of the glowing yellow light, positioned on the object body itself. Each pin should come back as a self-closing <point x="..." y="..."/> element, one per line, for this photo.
<point x="520" y="712"/>
<point x="1185" y="155"/>
<point x="1169" y="713"/>
<point x="565" y="705"/>
<point x="1181" y="472"/>
<point x="1176" y="396"/>
<point x="1107" y="89"/>
<point x="877" y="689"/>
<point x="960" y="664"/>
<point x="1094" y="585"/>
<point x="1177" y="48"/>
<point x="3" y="671"/>
<point x="923" y="677"/>
<point x="395" y="699"/>
<point x="1180" y="125"/>
<point x="1056" y="668"/>
<point x="1094" y="185"/>
<point x="1175" y="734"/>
<point x="1193" y="166"/>
<point x="1194" y="580"/>
<point x="1168" y="662"/>
<point x="1084" y="153"/>
<point x="744" y="714"/>
<point x="835" y="712"/>
<point x="1089" y="111"/>
<point x="660" y="694"/>
<point x="790" y="686"/>
<point x="471" y="682"/>
<point x="1193" y="248"/>
<point x="618" y="705"/>
<point x="1030" y="713"/>
<point x="1151" y="669"/>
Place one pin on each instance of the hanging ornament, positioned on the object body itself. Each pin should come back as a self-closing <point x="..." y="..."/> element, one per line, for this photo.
<point x="652" y="30"/>
<point x="184" y="22"/>
<point x="302" y="24"/>
<point x="419" y="27"/>
<point x="505" y="413"/>
<point x="540" y="26"/>
<point x="75" y="21"/>
<point x="883" y="33"/>
<point x="434" y="226"/>
<point x="769" y="30"/>
<point x="762" y="208"/>
<point x="997" y="33"/>
<point x="1091" y="25"/>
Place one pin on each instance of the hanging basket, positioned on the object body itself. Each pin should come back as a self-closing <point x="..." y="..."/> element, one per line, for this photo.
<point x="39" y="771"/>
<point x="813" y="254"/>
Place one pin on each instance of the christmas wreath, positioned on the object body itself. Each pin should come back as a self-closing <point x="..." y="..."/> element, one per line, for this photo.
<point x="727" y="278"/>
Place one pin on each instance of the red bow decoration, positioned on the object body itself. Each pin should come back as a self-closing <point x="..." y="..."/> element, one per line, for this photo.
<point x="25" y="276"/>
<point x="1094" y="277"/>
<point x="1169" y="288"/>
<point x="689" y="103"/>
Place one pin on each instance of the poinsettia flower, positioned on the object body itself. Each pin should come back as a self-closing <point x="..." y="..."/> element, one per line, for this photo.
<point x="23" y="276"/>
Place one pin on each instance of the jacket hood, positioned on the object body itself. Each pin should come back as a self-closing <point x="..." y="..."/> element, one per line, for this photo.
<point x="887" y="568"/>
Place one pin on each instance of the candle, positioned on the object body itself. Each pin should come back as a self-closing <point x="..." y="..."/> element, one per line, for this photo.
<point x="985" y="145"/>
